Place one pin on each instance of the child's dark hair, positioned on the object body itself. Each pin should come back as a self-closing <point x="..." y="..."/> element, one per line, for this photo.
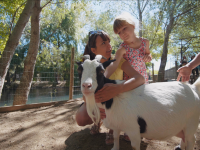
<point x="92" y="42"/>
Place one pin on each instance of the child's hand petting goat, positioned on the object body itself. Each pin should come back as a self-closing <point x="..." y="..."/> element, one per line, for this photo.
<point x="153" y="111"/>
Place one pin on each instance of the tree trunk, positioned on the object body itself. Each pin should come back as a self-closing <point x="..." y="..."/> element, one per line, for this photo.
<point x="161" y="72"/>
<point x="21" y="94"/>
<point x="140" y="24"/>
<point x="13" y="41"/>
<point x="140" y="18"/>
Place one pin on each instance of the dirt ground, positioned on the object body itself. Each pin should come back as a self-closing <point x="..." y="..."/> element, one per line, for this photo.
<point x="54" y="128"/>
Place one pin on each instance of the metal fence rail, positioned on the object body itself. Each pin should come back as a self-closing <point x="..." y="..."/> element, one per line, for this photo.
<point x="42" y="90"/>
<point x="49" y="83"/>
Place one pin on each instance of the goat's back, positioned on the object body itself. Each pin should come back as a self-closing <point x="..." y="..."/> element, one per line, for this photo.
<point x="166" y="107"/>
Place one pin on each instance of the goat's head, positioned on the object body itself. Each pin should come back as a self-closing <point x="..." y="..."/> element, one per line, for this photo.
<point x="91" y="73"/>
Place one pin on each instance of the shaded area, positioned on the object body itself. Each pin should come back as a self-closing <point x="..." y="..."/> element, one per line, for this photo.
<point x="86" y="141"/>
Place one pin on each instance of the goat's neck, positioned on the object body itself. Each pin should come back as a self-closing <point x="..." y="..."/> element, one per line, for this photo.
<point x="91" y="105"/>
<point x="106" y="80"/>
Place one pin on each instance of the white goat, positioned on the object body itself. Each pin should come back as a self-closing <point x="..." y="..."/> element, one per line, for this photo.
<point x="154" y="111"/>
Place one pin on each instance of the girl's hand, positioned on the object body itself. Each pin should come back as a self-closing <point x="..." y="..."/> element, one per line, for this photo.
<point x="147" y="58"/>
<point x="109" y="91"/>
<point x="184" y="73"/>
<point x="102" y="113"/>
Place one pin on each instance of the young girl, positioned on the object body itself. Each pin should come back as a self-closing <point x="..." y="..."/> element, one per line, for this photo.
<point x="135" y="50"/>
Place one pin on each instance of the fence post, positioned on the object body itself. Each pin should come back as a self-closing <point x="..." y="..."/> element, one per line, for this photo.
<point x="153" y="72"/>
<point x="71" y="84"/>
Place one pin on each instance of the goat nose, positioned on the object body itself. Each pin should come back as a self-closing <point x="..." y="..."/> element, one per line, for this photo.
<point x="87" y="85"/>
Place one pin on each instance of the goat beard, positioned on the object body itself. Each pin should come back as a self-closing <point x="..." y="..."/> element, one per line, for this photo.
<point x="92" y="108"/>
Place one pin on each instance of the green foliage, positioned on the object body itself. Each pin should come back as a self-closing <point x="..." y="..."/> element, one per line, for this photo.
<point x="10" y="11"/>
<point x="17" y="65"/>
<point x="186" y="30"/>
<point x="154" y="33"/>
<point x="60" y="31"/>
<point x="65" y="24"/>
<point x="105" y="22"/>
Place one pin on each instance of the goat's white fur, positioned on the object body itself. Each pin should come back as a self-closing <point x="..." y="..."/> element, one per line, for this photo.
<point x="169" y="109"/>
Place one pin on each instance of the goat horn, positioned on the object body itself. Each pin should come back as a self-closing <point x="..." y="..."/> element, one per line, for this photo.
<point x="104" y="57"/>
<point x="86" y="57"/>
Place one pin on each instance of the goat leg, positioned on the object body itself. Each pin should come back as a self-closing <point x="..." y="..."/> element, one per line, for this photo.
<point x="116" y="139"/>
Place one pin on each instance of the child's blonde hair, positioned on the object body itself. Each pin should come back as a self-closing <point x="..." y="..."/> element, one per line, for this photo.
<point x="122" y="20"/>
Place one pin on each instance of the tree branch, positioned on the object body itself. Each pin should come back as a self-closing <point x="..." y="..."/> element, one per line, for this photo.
<point x="180" y="3"/>
<point x="181" y="17"/>
<point x="145" y="6"/>
<point x="138" y="5"/>
<point x="184" y="12"/>
<point x="159" y="22"/>
<point x="187" y="45"/>
<point x="46" y="4"/>
<point x="142" y="3"/>
<point x="161" y="15"/>
<point x="57" y="3"/>
<point x="50" y="34"/>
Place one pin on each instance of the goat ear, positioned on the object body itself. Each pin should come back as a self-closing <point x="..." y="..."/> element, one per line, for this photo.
<point x="107" y="63"/>
<point x="79" y="63"/>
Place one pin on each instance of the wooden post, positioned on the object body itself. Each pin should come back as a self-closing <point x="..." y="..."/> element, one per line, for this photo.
<point x="153" y="72"/>
<point x="71" y="84"/>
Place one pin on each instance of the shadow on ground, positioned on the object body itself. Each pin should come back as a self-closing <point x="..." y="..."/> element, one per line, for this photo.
<point x="82" y="140"/>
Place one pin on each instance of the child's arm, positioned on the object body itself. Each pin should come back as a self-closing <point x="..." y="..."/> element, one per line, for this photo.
<point x="195" y="62"/>
<point x="113" y="66"/>
<point x="147" y="56"/>
<point x="185" y="71"/>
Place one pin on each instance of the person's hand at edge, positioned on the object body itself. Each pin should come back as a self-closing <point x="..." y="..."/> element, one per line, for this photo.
<point x="184" y="73"/>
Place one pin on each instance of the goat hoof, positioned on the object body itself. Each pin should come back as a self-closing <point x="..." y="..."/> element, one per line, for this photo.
<point x="177" y="148"/>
